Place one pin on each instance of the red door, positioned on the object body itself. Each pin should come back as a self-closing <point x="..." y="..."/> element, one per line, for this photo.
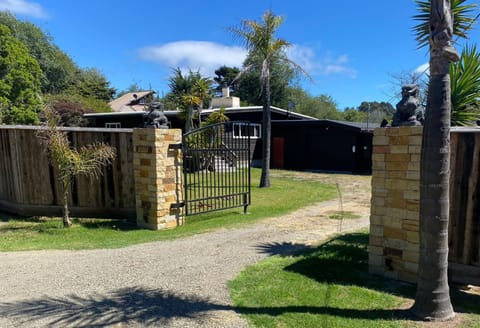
<point x="278" y="152"/>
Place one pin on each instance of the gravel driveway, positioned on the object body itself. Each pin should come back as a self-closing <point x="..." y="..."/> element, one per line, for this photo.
<point x="179" y="283"/>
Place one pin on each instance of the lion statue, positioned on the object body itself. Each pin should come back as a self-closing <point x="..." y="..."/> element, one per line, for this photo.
<point x="409" y="110"/>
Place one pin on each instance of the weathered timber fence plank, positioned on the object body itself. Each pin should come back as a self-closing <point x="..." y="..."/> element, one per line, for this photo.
<point x="29" y="184"/>
<point x="464" y="190"/>
<point x="471" y="203"/>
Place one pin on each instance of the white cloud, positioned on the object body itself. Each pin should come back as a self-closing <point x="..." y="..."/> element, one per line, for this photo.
<point x="23" y="7"/>
<point x="208" y="56"/>
<point x="196" y="55"/>
<point x="423" y="69"/>
<point x="326" y="65"/>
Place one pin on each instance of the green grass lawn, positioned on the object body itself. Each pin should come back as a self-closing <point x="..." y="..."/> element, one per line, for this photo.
<point x="285" y="195"/>
<point x="329" y="286"/>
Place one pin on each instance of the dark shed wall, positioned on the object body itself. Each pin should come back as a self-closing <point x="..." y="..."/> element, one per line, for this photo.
<point x="323" y="146"/>
<point x="363" y="154"/>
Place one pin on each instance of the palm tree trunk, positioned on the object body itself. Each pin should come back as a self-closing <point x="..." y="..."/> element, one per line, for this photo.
<point x="67" y="223"/>
<point x="432" y="300"/>
<point x="189" y="119"/>
<point x="266" y="133"/>
<point x="200" y="108"/>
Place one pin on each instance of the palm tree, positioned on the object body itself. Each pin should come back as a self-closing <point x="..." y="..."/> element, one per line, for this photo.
<point x="202" y="89"/>
<point x="432" y="300"/>
<point x="189" y="92"/>
<point x="188" y="103"/>
<point x="465" y="88"/>
<point x="69" y="162"/>
<point x="461" y="14"/>
<point x="264" y="48"/>
<point x="218" y="116"/>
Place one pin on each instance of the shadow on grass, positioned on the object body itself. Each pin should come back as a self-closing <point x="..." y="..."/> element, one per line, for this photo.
<point x="28" y="224"/>
<point x="373" y="314"/>
<point x="343" y="260"/>
<point x="121" y="225"/>
<point x="43" y="224"/>
<point x="5" y="217"/>
<point x="465" y="302"/>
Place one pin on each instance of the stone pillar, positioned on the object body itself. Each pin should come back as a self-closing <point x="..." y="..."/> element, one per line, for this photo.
<point x="394" y="220"/>
<point x="158" y="177"/>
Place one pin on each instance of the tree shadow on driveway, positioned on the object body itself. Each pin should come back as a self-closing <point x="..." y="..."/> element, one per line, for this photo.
<point x="148" y="307"/>
<point x="283" y="249"/>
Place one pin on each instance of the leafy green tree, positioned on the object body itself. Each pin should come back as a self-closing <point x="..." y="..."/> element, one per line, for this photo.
<point x="19" y="81"/>
<point x="90" y="83"/>
<point x="264" y="49"/>
<point x="226" y="76"/>
<point x="69" y="162"/>
<point x="59" y="74"/>
<point x="71" y="107"/>
<point x="353" y="115"/>
<point x="382" y="106"/>
<point x="322" y="106"/>
<point x="376" y="112"/>
<point x="132" y="88"/>
<point x="80" y="89"/>
<point x="58" y="69"/>
<point x="92" y="104"/>
<point x="438" y="21"/>
<point x="69" y="111"/>
<point x="249" y="87"/>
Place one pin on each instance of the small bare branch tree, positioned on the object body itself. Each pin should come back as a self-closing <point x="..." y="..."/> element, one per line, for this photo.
<point x="69" y="162"/>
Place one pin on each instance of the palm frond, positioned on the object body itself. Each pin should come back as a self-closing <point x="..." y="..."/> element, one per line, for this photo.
<point x="92" y="158"/>
<point x="465" y="87"/>
<point x="463" y="20"/>
<point x="299" y="68"/>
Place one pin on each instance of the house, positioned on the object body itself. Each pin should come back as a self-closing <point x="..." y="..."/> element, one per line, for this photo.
<point x="129" y="110"/>
<point x="132" y="102"/>
<point x="299" y="142"/>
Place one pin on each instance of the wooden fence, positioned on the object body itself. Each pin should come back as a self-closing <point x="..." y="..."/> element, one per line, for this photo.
<point x="29" y="185"/>
<point x="464" y="228"/>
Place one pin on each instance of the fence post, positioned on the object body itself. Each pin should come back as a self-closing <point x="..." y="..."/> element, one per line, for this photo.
<point x="394" y="219"/>
<point x="158" y="180"/>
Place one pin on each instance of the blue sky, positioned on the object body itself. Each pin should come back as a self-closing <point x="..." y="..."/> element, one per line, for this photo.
<point x="350" y="48"/>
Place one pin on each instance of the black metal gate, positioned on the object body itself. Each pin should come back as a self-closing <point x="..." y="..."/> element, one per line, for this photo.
<point x="216" y="166"/>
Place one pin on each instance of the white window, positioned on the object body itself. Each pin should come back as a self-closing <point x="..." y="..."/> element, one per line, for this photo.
<point x="114" y="125"/>
<point x="242" y="130"/>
